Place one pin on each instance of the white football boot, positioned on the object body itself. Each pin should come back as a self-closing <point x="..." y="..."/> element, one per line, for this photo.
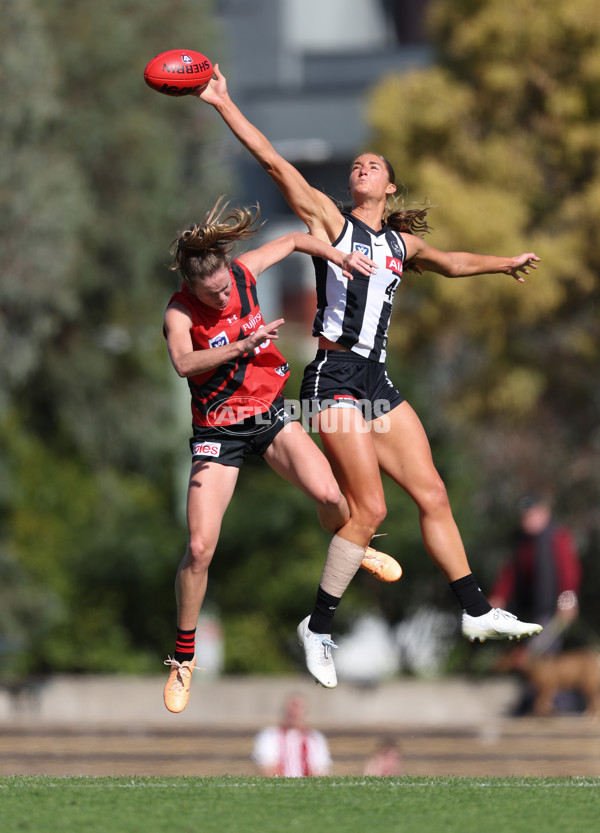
<point x="496" y="624"/>
<point x="317" y="652"/>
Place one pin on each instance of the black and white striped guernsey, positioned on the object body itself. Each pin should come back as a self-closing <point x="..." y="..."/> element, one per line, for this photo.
<point x="356" y="313"/>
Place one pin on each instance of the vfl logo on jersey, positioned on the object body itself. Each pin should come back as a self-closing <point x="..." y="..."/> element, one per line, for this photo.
<point x="362" y="248"/>
<point x="206" y="449"/>
<point x="219" y="340"/>
<point x="394" y="264"/>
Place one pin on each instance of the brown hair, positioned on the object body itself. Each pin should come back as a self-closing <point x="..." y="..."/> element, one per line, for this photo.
<point x="411" y="220"/>
<point x="389" y="168"/>
<point x="204" y="247"/>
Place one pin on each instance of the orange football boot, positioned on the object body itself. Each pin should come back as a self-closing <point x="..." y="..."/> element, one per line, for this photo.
<point x="382" y="566"/>
<point x="177" y="688"/>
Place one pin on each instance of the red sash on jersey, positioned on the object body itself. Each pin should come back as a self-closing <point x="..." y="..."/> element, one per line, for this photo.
<point x="287" y="758"/>
<point x="244" y="386"/>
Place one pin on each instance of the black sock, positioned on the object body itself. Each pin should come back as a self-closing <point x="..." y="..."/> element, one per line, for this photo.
<point x="323" y="612"/>
<point x="185" y="647"/>
<point x="469" y="596"/>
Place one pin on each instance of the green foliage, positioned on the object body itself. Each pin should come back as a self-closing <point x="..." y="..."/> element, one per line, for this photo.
<point x="501" y="134"/>
<point x="131" y="154"/>
<point x="97" y="173"/>
<point x="95" y="557"/>
<point x="254" y="646"/>
<point x="42" y="200"/>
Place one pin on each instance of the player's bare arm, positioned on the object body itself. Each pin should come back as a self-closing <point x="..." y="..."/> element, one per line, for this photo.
<point x="314" y="208"/>
<point x="190" y="362"/>
<point x="260" y="259"/>
<point x="465" y="264"/>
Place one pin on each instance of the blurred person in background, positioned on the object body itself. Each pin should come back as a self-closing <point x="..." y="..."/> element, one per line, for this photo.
<point x="291" y="749"/>
<point x="386" y="761"/>
<point x="543" y="577"/>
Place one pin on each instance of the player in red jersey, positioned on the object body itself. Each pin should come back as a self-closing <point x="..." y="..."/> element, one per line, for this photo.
<point x="218" y="340"/>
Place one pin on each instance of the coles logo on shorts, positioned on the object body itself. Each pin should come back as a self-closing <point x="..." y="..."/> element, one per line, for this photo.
<point x="206" y="449"/>
<point x="219" y="340"/>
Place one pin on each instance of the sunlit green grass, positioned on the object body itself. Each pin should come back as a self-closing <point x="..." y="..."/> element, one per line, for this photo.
<point x="351" y="805"/>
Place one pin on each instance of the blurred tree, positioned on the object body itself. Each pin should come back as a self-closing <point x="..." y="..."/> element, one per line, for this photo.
<point x="502" y="135"/>
<point x="42" y="202"/>
<point x="97" y="172"/>
<point x="136" y="154"/>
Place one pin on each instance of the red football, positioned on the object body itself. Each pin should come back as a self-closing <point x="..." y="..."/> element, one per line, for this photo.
<point x="178" y="72"/>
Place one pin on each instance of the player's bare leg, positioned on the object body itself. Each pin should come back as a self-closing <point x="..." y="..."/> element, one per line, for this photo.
<point x="346" y="551"/>
<point x="404" y="454"/>
<point x="210" y="490"/>
<point x="295" y="457"/>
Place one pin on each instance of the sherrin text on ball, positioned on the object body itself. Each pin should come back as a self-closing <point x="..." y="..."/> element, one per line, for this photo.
<point x="178" y="72"/>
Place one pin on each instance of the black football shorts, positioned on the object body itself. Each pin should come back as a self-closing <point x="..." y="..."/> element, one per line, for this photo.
<point x="341" y="379"/>
<point x="229" y="444"/>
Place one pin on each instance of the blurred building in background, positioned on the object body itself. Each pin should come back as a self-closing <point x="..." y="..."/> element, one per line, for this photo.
<point x="301" y="70"/>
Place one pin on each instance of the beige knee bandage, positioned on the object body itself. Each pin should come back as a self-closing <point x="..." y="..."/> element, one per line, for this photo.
<point x="343" y="560"/>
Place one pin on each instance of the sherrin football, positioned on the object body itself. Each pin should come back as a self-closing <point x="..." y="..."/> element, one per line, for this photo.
<point x="178" y="72"/>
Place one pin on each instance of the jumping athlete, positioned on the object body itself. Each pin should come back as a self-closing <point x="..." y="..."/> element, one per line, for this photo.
<point x="218" y="340"/>
<point x="351" y="325"/>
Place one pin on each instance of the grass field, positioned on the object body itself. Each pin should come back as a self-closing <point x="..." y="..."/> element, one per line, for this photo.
<point x="350" y="805"/>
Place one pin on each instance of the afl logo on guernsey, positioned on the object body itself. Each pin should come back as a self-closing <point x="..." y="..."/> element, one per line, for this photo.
<point x="219" y="340"/>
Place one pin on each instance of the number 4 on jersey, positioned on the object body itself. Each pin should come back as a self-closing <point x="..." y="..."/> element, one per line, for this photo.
<point x="391" y="288"/>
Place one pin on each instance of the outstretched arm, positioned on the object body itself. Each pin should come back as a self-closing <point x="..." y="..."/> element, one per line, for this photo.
<point x="260" y="259"/>
<point x="314" y="208"/>
<point x="464" y="264"/>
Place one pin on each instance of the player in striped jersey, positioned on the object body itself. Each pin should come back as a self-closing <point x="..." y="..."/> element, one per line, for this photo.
<point x="349" y="370"/>
<point x="292" y="749"/>
<point x="217" y="340"/>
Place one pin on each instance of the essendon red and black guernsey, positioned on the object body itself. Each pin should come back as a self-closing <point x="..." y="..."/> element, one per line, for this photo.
<point x="242" y="387"/>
